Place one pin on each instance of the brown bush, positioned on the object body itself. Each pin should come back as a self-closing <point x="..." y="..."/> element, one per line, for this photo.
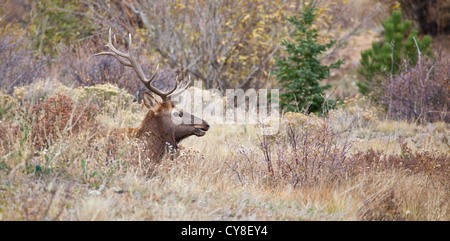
<point x="435" y="165"/>
<point x="57" y="116"/>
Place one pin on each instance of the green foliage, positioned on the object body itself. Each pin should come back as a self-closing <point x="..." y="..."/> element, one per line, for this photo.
<point x="299" y="73"/>
<point x="386" y="57"/>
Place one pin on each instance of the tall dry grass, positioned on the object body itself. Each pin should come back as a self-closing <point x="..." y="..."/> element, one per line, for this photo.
<point x="318" y="170"/>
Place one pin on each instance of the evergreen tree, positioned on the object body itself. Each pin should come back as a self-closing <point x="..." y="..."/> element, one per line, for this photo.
<point x="385" y="57"/>
<point x="299" y="73"/>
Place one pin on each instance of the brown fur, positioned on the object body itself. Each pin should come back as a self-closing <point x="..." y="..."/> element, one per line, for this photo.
<point x="158" y="132"/>
<point x="158" y="129"/>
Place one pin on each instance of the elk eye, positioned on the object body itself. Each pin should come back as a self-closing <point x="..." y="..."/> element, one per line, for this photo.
<point x="178" y="114"/>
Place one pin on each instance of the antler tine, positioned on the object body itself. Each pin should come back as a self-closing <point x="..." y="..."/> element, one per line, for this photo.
<point x="120" y="59"/>
<point x="154" y="74"/>
<point x="164" y="95"/>
<point x="128" y="59"/>
<point x="116" y="51"/>
<point x="129" y="39"/>
<point x="181" y="89"/>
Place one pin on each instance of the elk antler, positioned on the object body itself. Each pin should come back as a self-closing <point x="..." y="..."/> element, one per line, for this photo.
<point x="128" y="59"/>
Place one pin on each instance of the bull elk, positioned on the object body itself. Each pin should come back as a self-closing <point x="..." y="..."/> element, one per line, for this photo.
<point x="158" y="129"/>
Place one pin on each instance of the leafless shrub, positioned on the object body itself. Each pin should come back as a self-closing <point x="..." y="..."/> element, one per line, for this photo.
<point x="80" y="68"/>
<point x="318" y="154"/>
<point x="418" y="93"/>
<point x="303" y="154"/>
<point x="18" y="66"/>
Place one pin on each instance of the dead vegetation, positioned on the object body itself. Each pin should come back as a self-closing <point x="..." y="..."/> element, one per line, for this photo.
<point x="312" y="170"/>
<point x="64" y="154"/>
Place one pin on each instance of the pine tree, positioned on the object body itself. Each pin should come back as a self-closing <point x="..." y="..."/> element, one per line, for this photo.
<point x="385" y="57"/>
<point x="299" y="73"/>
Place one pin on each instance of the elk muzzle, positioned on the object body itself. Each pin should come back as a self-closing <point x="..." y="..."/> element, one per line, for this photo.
<point x="200" y="130"/>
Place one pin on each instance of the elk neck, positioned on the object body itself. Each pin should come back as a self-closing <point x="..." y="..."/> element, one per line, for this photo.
<point x="154" y="134"/>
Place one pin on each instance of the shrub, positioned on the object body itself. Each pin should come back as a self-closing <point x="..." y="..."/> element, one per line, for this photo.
<point x="418" y="93"/>
<point x="307" y="152"/>
<point x="300" y="72"/>
<point x="57" y="116"/>
<point x="80" y="68"/>
<point x="384" y="58"/>
<point x="18" y="65"/>
<point x="37" y="91"/>
<point x="435" y="165"/>
<point x="113" y="102"/>
<point x="101" y="94"/>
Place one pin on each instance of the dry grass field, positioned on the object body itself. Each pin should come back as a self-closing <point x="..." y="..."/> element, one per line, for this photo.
<point x="368" y="168"/>
<point x="63" y="154"/>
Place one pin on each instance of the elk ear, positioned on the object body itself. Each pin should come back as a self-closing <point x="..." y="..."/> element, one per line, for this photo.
<point x="149" y="101"/>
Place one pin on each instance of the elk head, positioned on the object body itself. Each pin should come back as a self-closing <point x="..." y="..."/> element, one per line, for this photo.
<point x="159" y="127"/>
